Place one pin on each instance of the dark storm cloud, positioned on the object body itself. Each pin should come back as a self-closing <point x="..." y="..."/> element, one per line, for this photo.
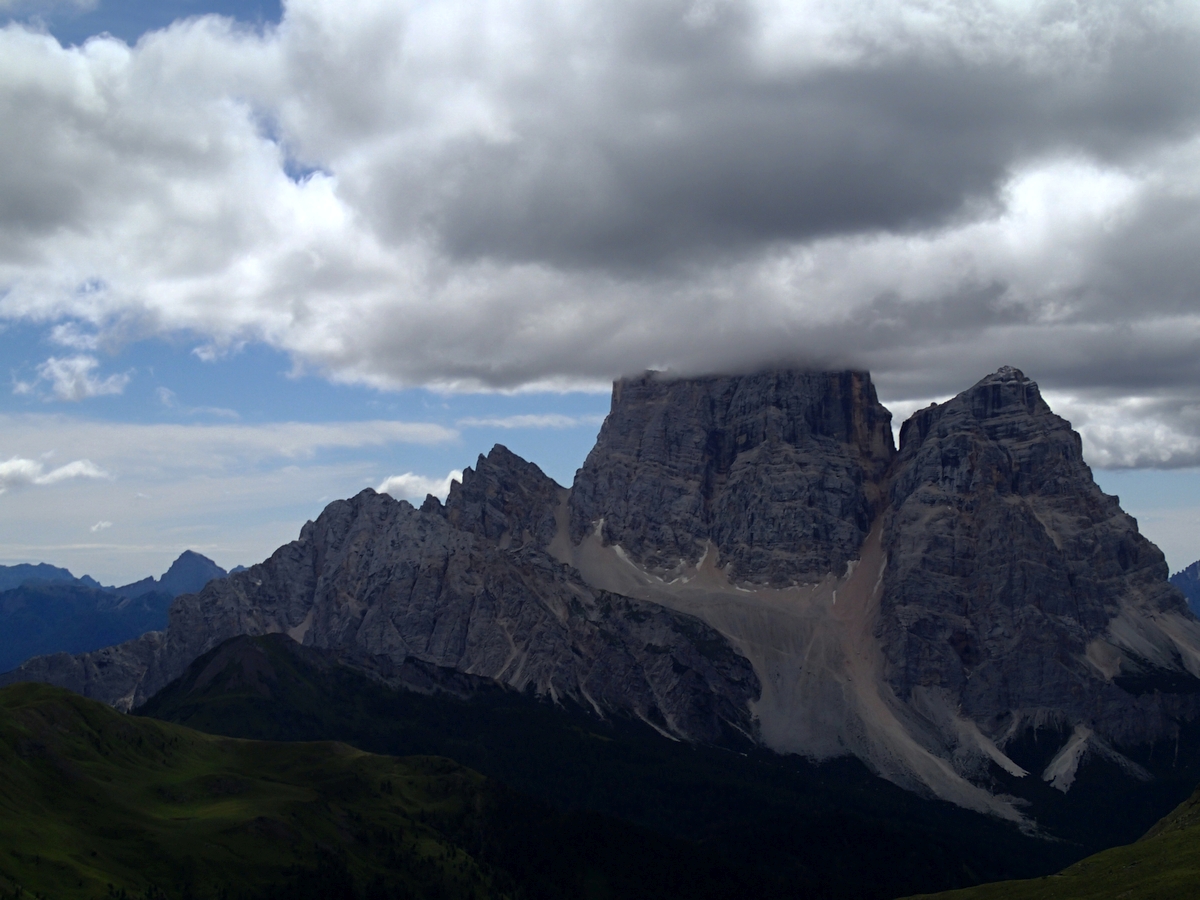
<point x="687" y="146"/>
<point x="520" y="195"/>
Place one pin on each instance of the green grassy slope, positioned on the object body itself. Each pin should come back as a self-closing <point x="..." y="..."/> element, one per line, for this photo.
<point x="789" y="827"/>
<point x="1163" y="865"/>
<point x="93" y="802"/>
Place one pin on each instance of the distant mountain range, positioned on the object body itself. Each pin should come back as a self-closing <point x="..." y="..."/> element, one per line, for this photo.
<point x="45" y="609"/>
<point x="42" y="573"/>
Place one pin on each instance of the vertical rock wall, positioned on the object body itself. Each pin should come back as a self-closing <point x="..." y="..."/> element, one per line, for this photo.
<point x="780" y="472"/>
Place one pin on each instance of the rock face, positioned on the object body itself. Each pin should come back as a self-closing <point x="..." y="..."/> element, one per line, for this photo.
<point x="779" y="472"/>
<point x="1016" y="589"/>
<point x="749" y="555"/>
<point x="467" y="586"/>
<point x="1188" y="581"/>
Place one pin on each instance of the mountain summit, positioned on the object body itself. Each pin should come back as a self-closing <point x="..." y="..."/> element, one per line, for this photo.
<point x="187" y="574"/>
<point x="749" y="558"/>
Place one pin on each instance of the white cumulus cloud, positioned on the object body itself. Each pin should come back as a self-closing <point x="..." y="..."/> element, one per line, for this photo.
<point x="534" y="420"/>
<point x="417" y="487"/>
<point x="17" y="472"/>
<point x="72" y="378"/>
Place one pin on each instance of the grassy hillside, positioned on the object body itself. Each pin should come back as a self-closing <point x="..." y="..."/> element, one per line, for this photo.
<point x="96" y="804"/>
<point x="789" y="827"/>
<point x="1163" y="865"/>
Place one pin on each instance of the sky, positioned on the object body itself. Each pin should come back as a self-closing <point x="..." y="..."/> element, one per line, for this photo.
<point x="255" y="257"/>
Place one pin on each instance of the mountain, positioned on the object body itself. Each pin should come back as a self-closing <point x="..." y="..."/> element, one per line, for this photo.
<point x="189" y="573"/>
<point x="56" y="617"/>
<point x="1021" y="599"/>
<point x="1163" y="864"/>
<point x="1188" y="581"/>
<point x="48" y="610"/>
<point x="779" y="473"/>
<point x="94" y="803"/>
<point x="982" y="595"/>
<point x="469" y="586"/>
<point x="39" y="573"/>
<point x="750" y="558"/>
<point x="790" y="826"/>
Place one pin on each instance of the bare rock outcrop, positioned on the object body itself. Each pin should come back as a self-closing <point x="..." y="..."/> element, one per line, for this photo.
<point x="1015" y="587"/>
<point x="466" y="587"/>
<point x="780" y="472"/>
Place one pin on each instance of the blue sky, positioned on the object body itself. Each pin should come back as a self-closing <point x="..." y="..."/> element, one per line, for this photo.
<point x="238" y="493"/>
<point x="248" y="267"/>
<point x="74" y="22"/>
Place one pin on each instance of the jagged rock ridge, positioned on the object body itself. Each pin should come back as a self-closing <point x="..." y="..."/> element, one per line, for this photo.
<point x="749" y="554"/>
<point x="467" y="586"/>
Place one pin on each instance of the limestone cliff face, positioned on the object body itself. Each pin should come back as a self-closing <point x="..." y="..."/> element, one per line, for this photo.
<point x="749" y="554"/>
<point x="1015" y="585"/>
<point x="468" y="586"/>
<point x="779" y="472"/>
<point x="1005" y="591"/>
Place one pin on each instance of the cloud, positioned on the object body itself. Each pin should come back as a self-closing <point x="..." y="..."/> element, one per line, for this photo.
<point x="170" y="400"/>
<point x="1135" y="432"/>
<point x="100" y="526"/>
<point x="537" y="420"/>
<point x="18" y="472"/>
<point x="417" y="487"/>
<point x="158" y="448"/>
<point x="71" y="378"/>
<point x="69" y="334"/>
<point x="509" y="195"/>
<point x="232" y="491"/>
<point x="38" y="7"/>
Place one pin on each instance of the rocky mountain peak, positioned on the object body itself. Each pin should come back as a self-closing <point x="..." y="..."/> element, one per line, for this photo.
<point x="998" y="435"/>
<point x="1014" y="583"/>
<point x="505" y="499"/>
<point x="189" y="573"/>
<point x="779" y="472"/>
<point x="1002" y="400"/>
